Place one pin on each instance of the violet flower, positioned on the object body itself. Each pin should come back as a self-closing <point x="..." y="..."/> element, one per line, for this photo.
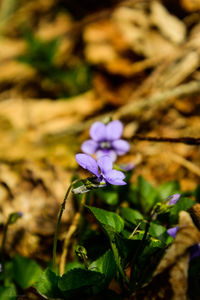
<point x="102" y="169"/>
<point x="105" y="140"/>
<point x="194" y="250"/>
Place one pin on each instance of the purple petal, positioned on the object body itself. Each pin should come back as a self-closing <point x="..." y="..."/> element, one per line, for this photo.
<point x="194" y="251"/>
<point x="127" y="167"/>
<point x="89" y="147"/>
<point x="114" y="130"/>
<point x="173" y="231"/>
<point x="87" y="162"/>
<point x="173" y="199"/>
<point x="98" y="132"/>
<point x="105" y="164"/>
<point x="111" y="153"/>
<point x="115" y="177"/>
<point x="121" y="146"/>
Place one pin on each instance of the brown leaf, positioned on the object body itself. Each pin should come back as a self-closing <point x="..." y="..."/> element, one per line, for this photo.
<point x="170" y="26"/>
<point x="170" y="277"/>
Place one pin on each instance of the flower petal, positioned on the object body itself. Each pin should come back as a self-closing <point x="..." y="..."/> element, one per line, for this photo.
<point x="111" y="153"/>
<point x="87" y="162"/>
<point x="173" y="231"/>
<point x="121" y="146"/>
<point x="89" y="147"/>
<point x="98" y="132"/>
<point x="115" y="177"/>
<point x="105" y="164"/>
<point x="127" y="167"/>
<point x="114" y="130"/>
<point x="173" y="198"/>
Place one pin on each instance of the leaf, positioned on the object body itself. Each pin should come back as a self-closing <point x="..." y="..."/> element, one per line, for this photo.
<point x="8" y="292"/>
<point x="106" y="265"/>
<point x="26" y="271"/>
<point x="148" y="194"/>
<point x="109" y="197"/>
<point x="47" y="284"/>
<point x="168" y="188"/>
<point x="130" y="215"/>
<point x="80" y="282"/>
<point x="159" y="232"/>
<point x="107" y="218"/>
<point x="74" y="265"/>
<point x="197" y="193"/>
<point x="156" y="230"/>
<point x="170" y="277"/>
<point x="134" y="195"/>
<point x="182" y="204"/>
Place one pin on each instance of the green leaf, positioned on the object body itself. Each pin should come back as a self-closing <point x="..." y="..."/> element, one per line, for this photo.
<point x="197" y="193"/>
<point x="159" y="232"/>
<point x="8" y="292"/>
<point x="168" y="188"/>
<point x="107" y="218"/>
<point x="79" y="282"/>
<point x="26" y="271"/>
<point x="156" y="230"/>
<point x="130" y="215"/>
<point x="146" y="261"/>
<point x="182" y="204"/>
<point x="74" y="265"/>
<point x="47" y="284"/>
<point x="109" y="197"/>
<point x="134" y="195"/>
<point x="106" y="265"/>
<point x="148" y="194"/>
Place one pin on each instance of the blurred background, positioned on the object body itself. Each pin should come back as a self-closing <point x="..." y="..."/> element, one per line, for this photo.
<point x="65" y="64"/>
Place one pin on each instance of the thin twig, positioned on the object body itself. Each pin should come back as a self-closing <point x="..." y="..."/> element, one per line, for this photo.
<point x="135" y="106"/>
<point x="135" y="229"/>
<point x="69" y="234"/>
<point x="179" y="91"/>
<point x="184" y="140"/>
<point x="184" y="162"/>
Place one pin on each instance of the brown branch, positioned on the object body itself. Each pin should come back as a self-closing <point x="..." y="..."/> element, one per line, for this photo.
<point x="135" y="106"/>
<point x="184" y="140"/>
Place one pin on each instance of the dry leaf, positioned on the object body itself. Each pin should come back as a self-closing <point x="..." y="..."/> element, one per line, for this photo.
<point x="191" y="5"/>
<point x="170" y="277"/>
<point x="170" y="26"/>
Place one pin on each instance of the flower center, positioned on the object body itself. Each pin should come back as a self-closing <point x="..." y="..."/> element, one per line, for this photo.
<point x="105" y="145"/>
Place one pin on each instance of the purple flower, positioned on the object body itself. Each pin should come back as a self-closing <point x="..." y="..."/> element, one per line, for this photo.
<point x="194" y="250"/>
<point x="105" y="140"/>
<point x="173" y="198"/>
<point x="172" y="231"/>
<point x="102" y="169"/>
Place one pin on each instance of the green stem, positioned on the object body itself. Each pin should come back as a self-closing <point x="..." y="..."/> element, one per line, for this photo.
<point x="59" y="221"/>
<point x="121" y="271"/>
<point x="3" y="244"/>
<point x="139" y="250"/>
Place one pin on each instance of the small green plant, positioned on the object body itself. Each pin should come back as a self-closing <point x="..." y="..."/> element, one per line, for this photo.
<point x="61" y="81"/>
<point x="136" y="223"/>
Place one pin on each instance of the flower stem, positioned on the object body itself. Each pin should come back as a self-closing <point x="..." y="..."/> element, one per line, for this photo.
<point x="70" y="233"/>
<point x="59" y="221"/>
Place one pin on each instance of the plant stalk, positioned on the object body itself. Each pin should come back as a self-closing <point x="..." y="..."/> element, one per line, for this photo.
<point x="59" y="221"/>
